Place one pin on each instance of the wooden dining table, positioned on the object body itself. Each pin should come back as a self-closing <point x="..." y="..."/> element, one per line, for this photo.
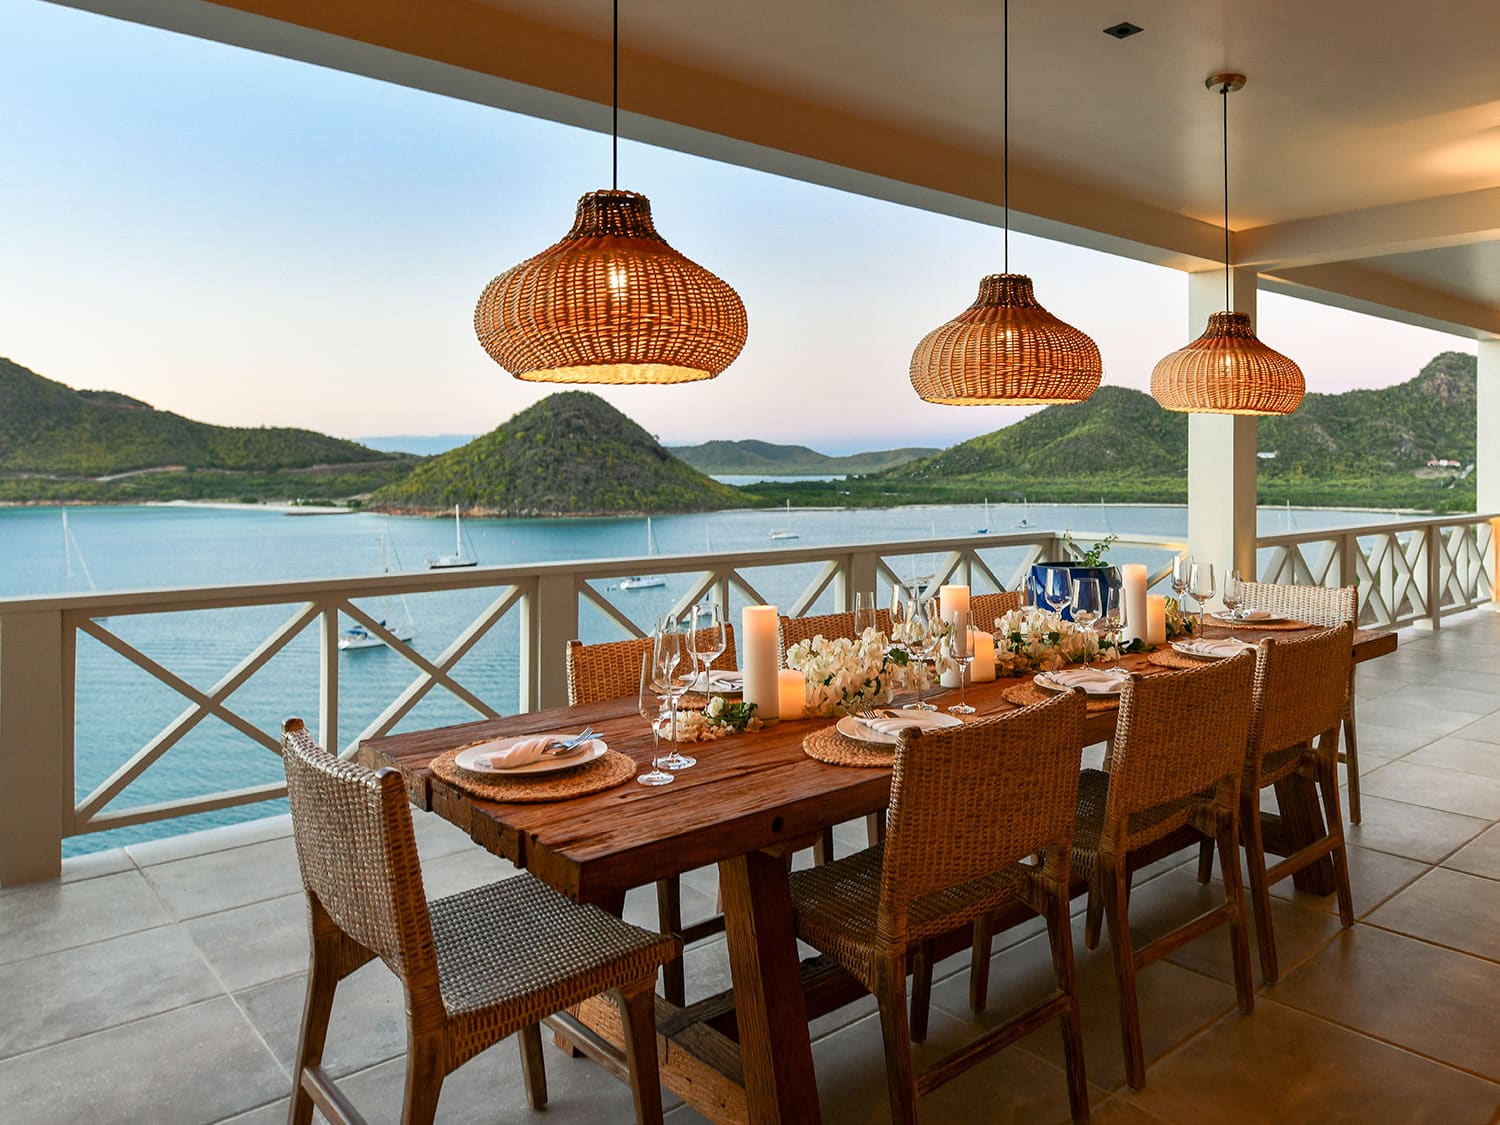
<point x="751" y="799"/>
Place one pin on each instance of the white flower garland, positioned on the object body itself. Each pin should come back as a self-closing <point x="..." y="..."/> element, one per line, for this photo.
<point x="1035" y="640"/>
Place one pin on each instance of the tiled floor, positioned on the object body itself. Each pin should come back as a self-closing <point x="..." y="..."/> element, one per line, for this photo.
<point x="164" y="983"/>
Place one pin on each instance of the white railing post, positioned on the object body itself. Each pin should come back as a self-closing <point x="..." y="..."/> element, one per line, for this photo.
<point x="554" y="622"/>
<point x="36" y="746"/>
<point x="328" y="678"/>
<point x="857" y="577"/>
<point x="1432" y="547"/>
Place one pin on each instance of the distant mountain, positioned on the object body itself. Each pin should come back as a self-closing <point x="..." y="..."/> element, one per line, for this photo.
<point x="745" y="458"/>
<point x="569" y="454"/>
<point x="58" y="443"/>
<point x="423" y="445"/>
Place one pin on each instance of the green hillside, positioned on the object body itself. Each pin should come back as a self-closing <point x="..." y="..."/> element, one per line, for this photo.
<point x="745" y="458"/>
<point x="570" y="454"/>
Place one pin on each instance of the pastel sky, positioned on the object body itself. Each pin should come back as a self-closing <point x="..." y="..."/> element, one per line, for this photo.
<point x="252" y="241"/>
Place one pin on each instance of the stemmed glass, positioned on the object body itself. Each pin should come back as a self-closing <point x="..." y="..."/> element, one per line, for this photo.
<point x="1111" y="619"/>
<point x="1201" y="587"/>
<point x="1182" y="566"/>
<point x="958" y="645"/>
<point x="1088" y="602"/>
<point x="1058" y="591"/>
<point x="864" y="613"/>
<point x="706" y="639"/>
<point x="922" y="628"/>
<point x="649" y="706"/>
<point x="1233" y="590"/>
<point x="666" y="655"/>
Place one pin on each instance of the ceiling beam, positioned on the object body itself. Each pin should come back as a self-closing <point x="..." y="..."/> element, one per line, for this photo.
<point x="1361" y="289"/>
<point x="1397" y="228"/>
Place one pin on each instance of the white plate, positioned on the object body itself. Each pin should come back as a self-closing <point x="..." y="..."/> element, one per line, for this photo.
<point x="850" y="726"/>
<point x="471" y="758"/>
<point x="1046" y="682"/>
<point x="1184" y="648"/>
<point x="719" y="683"/>
<point x="1268" y="619"/>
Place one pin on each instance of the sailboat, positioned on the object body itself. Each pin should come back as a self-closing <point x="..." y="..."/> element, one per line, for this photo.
<point x="456" y="559"/>
<point x="357" y="636"/>
<point x="786" y="532"/>
<point x="644" y="581"/>
<point x="985" y="530"/>
<point x="1025" y="520"/>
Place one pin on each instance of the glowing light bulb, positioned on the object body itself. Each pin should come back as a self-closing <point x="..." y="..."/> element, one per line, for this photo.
<point x="618" y="278"/>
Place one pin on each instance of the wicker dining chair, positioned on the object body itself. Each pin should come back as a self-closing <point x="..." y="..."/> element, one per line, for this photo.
<point x="985" y="608"/>
<point x="1179" y="753"/>
<point x="969" y="808"/>
<point x="1326" y="606"/>
<point x="612" y="670"/>
<point x="476" y="967"/>
<point x="1298" y="704"/>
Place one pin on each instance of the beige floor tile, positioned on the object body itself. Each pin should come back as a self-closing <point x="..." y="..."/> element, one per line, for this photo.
<point x="1121" y="1109"/>
<point x="190" y="844"/>
<point x="254" y="944"/>
<point x="1373" y="877"/>
<point x="1454" y="752"/>
<point x="44" y="917"/>
<point x="1419" y="717"/>
<point x="1481" y="856"/>
<point x="79" y="867"/>
<point x="222" y="880"/>
<point x="1281" y="1065"/>
<point x="1430" y="1000"/>
<point x="1450" y="908"/>
<point x="1484" y="729"/>
<point x="1412" y="831"/>
<point x="1445" y="789"/>
<point x="368" y="1024"/>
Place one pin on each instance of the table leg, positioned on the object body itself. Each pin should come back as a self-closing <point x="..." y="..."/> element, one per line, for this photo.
<point x="775" y="1048"/>
<point x="1301" y="824"/>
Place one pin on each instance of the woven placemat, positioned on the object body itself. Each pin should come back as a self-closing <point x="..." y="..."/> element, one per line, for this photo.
<point x="1225" y="623"/>
<point x="1166" y="658"/>
<point x="605" y="772"/>
<point x="828" y="745"/>
<point x="1027" y="693"/>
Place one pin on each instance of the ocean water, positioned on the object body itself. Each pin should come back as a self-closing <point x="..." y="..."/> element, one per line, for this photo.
<point x="120" y="708"/>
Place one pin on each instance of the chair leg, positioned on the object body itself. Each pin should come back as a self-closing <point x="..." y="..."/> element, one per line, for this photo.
<point x="921" y="991"/>
<point x="1205" y="861"/>
<point x="1226" y="835"/>
<point x="1328" y="782"/>
<point x="1260" y="890"/>
<point x="533" y="1065"/>
<point x="823" y="847"/>
<point x="1093" y="918"/>
<point x="669" y="921"/>
<point x="1115" y="911"/>
<point x="901" y="1081"/>
<point x="322" y="982"/>
<point x="1060" y="937"/>
<point x="638" y="1014"/>
<point x="875" y="828"/>
<point x="424" y="1078"/>
<point x="1351" y="757"/>
<point x="979" y="963"/>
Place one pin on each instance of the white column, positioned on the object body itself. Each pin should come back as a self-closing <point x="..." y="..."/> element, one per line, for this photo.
<point x="1221" y="448"/>
<point x="1487" y="453"/>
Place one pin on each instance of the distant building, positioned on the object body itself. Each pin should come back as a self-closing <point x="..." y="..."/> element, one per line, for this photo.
<point x="1267" y="454"/>
<point x="1444" y="463"/>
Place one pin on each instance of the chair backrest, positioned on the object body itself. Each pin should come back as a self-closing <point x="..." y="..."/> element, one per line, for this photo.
<point x="985" y="608"/>
<point x="1300" y="687"/>
<point x="358" y="856"/>
<point x="795" y="630"/>
<point x="612" y="669"/>
<point x="1179" y="735"/>
<point x="974" y="799"/>
<point x="1317" y="605"/>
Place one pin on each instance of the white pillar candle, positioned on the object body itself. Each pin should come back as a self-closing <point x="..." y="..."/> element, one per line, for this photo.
<point x="982" y="670"/>
<point x="1156" y="619"/>
<point x="1133" y="595"/>
<point x="792" y="693"/>
<point x="953" y="599"/>
<point x="760" y="627"/>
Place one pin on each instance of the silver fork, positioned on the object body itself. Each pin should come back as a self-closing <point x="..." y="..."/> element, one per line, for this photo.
<point x="566" y="748"/>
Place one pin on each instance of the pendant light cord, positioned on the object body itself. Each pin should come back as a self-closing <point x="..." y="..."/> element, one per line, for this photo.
<point x="1224" y="97"/>
<point x="1005" y="111"/>
<point x="614" y="101"/>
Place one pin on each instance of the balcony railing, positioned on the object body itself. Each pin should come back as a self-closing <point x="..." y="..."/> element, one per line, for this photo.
<point x="512" y="625"/>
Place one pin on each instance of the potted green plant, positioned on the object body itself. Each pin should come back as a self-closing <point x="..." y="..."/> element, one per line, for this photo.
<point x="1079" y="562"/>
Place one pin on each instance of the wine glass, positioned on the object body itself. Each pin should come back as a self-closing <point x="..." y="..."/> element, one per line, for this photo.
<point x="1233" y="593"/>
<point x="1201" y="587"/>
<point x="706" y="638"/>
<point x="666" y="656"/>
<point x="1111" y="619"/>
<point x="1058" y="592"/>
<point x="1182" y="566"/>
<point x="648" y="703"/>
<point x="923" y="625"/>
<point x="864" y="612"/>
<point x="1088" y="602"/>
<point x="958" y="644"/>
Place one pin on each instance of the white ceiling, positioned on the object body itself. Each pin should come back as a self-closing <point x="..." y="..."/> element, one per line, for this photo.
<point x="1364" y="150"/>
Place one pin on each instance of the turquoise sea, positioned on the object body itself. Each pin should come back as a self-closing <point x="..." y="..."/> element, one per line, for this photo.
<point x="120" y="708"/>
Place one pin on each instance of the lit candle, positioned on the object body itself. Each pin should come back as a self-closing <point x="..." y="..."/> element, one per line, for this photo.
<point x="1133" y="600"/>
<point x="953" y="599"/>
<point x="982" y="670"/>
<point x="760" y="626"/>
<point x="792" y="692"/>
<point x="1156" y="619"/>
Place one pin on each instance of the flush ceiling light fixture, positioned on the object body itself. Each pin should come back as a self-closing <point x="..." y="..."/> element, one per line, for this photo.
<point x="1005" y="349"/>
<point x="1227" y="370"/>
<point x="611" y="302"/>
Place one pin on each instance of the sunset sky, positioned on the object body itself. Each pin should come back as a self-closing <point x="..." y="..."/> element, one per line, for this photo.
<point x="252" y="241"/>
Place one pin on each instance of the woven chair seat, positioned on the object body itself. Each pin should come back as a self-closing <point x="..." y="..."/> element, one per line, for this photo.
<point x="837" y="904"/>
<point x="1277" y="765"/>
<point x="550" y="953"/>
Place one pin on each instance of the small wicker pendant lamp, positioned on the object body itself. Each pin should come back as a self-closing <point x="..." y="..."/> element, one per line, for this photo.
<point x="611" y="302"/>
<point x="1005" y="349"/>
<point x="1227" y="370"/>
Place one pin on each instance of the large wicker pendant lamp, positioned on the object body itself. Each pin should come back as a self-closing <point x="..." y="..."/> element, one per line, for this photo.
<point x="1005" y="349"/>
<point x="1227" y="370"/>
<point x="611" y="302"/>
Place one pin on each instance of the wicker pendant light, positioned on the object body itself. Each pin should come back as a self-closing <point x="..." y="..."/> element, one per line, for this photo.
<point x="1227" y="370"/>
<point x="1005" y="349"/>
<point x="611" y="302"/>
